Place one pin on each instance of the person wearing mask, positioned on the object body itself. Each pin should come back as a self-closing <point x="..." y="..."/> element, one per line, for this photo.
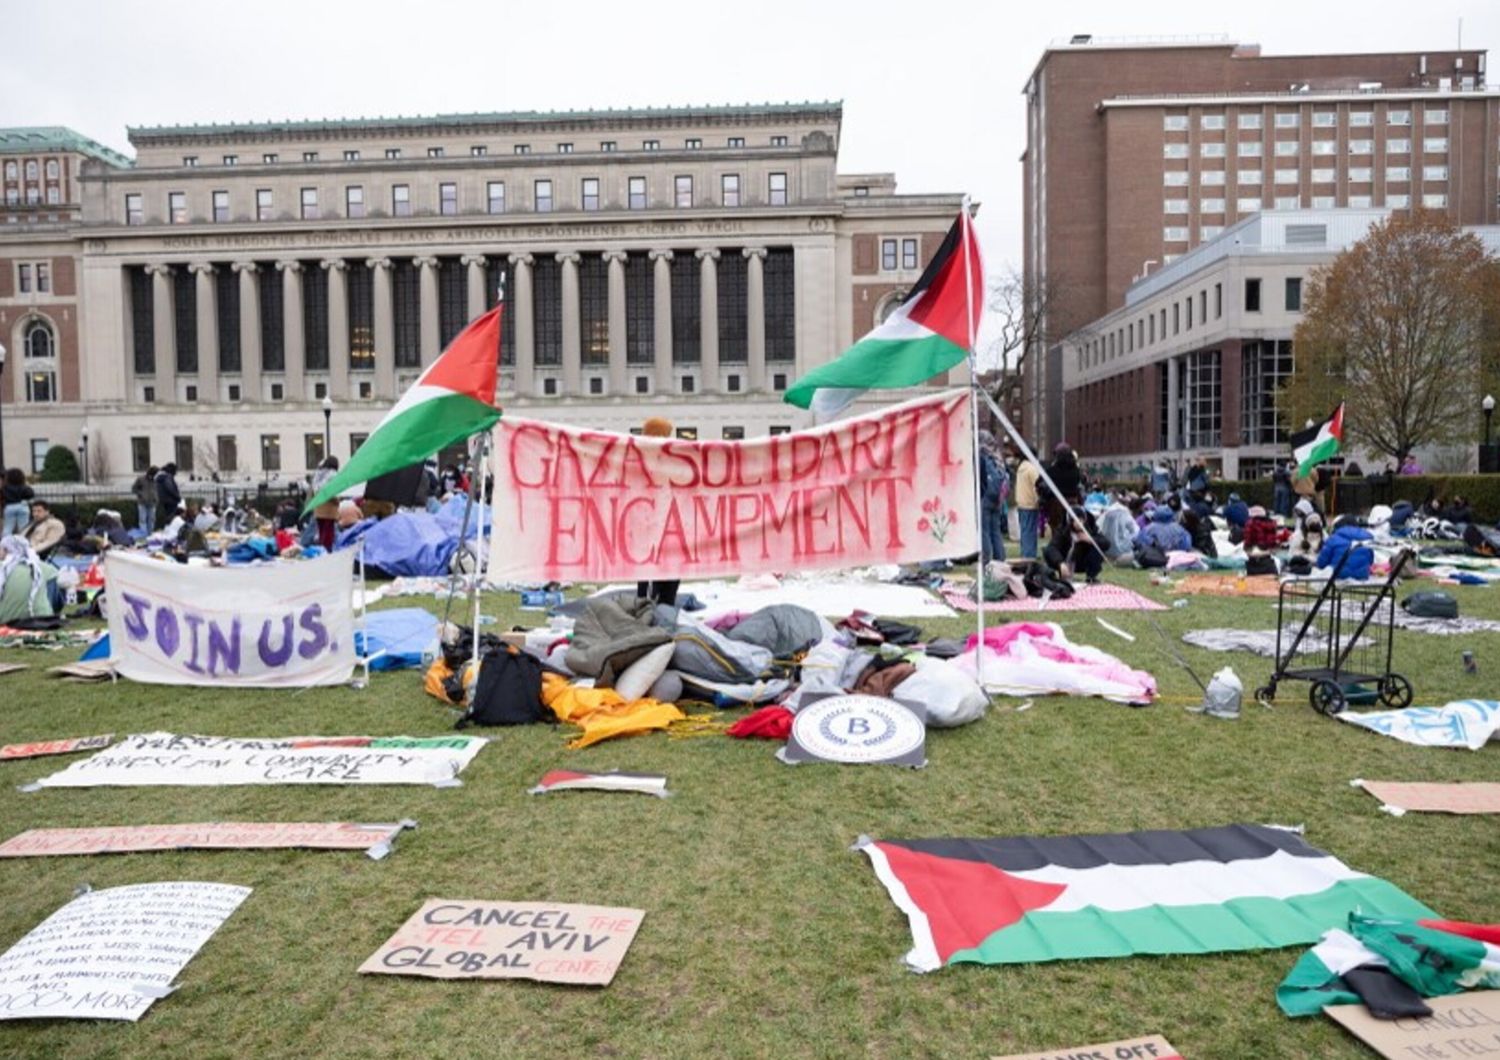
<point x="144" y="490"/>
<point x="662" y="592"/>
<point x="17" y="497"/>
<point x="1028" y="506"/>
<point x="991" y="497"/>
<point x="168" y="496"/>
<point x="45" y="531"/>
<point x="326" y="513"/>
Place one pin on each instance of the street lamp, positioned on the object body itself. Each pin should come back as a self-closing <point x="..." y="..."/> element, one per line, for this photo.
<point x="1489" y="460"/>
<point x="1488" y="404"/>
<point x="327" y="426"/>
<point x="83" y="452"/>
<point x="2" y="428"/>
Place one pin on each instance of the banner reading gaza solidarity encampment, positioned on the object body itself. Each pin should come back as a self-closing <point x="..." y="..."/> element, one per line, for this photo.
<point x="278" y="624"/>
<point x="895" y="486"/>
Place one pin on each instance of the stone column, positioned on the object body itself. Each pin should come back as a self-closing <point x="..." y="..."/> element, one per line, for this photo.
<point x="755" y="315"/>
<point x="708" y="318"/>
<point x="475" y="265"/>
<point x="617" y="335"/>
<point x="164" y="334"/>
<point x="570" y="332"/>
<point x="432" y="336"/>
<point x="294" y="345"/>
<point x="250" y="354"/>
<point x="338" y="328"/>
<point x="208" y="332"/>
<point x="525" y="333"/>
<point x="1174" y="437"/>
<point x="385" y="328"/>
<point x="662" y="307"/>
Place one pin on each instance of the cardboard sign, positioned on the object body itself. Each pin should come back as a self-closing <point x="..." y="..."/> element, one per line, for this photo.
<point x="55" y="747"/>
<point x="218" y="835"/>
<point x="109" y="954"/>
<point x="1469" y="797"/>
<point x="547" y="941"/>
<point x="275" y="625"/>
<point x="162" y="758"/>
<point x="1152" y="1047"/>
<point x="895" y="486"/>
<point x="1461" y="1026"/>
<point x="857" y="729"/>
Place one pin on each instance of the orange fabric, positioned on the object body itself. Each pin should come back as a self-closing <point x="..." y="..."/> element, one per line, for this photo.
<point x="1228" y="585"/>
<point x="602" y="713"/>
<point x="437" y="673"/>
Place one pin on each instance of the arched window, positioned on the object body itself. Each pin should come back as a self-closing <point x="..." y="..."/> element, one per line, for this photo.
<point x="51" y="169"/>
<point x="40" y="367"/>
<point x="886" y="308"/>
<point x="11" y="171"/>
<point x="38" y="341"/>
<point x="31" y="169"/>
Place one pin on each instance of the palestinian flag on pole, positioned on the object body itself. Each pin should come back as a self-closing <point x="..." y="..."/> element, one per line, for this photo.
<point x="931" y="331"/>
<point x="1390" y="964"/>
<point x="452" y="400"/>
<point x="1319" y="442"/>
<point x="1021" y="899"/>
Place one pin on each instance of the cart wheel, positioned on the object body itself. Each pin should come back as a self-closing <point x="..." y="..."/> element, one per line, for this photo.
<point x="1265" y="695"/>
<point x="1395" y="692"/>
<point x="1326" y="697"/>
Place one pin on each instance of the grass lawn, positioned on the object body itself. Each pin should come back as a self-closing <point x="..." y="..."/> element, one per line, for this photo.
<point x="764" y="934"/>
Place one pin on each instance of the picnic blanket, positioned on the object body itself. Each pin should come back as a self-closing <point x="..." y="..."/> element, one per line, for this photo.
<point x="1228" y="585"/>
<point x="1259" y="641"/>
<point x="1099" y="597"/>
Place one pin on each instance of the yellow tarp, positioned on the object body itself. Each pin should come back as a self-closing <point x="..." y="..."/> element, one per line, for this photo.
<point x="602" y="713"/>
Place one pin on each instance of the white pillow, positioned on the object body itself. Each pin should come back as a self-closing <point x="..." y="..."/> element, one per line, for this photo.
<point x="640" y="675"/>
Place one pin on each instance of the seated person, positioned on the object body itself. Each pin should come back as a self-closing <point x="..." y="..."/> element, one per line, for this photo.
<point x="1164" y="535"/>
<point x="1458" y="510"/>
<point x="1236" y="512"/>
<point x="1200" y="529"/>
<point x="28" y="586"/>
<point x="45" y="531"/>
<point x="1261" y="532"/>
<point x="1307" y="534"/>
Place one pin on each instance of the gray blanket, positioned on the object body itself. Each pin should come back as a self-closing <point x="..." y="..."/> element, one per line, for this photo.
<point x="612" y="632"/>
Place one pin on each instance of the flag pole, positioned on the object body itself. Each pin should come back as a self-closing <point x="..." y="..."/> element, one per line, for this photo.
<point x="965" y="246"/>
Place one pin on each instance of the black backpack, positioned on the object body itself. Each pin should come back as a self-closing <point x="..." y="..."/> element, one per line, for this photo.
<point x="1433" y="603"/>
<point x="1260" y="564"/>
<point x="509" y="690"/>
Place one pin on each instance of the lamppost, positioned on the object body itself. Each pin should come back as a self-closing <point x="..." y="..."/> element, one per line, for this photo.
<point x="327" y="427"/>
<point x="2" y="405"/>
<point x="83" y="453"/>
<point x="1489" y="460"/>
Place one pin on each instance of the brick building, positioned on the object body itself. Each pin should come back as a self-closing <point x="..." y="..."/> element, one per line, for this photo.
<point x="1139" y="151"/>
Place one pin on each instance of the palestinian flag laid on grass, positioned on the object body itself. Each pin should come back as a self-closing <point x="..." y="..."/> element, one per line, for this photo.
<point x="1319" y="442"/>
<point x="452" y="400"/>
<point x="1020" y="899"/>
<point x="930" y="332"/>
<point x="1390" y="965"/>
<point x="571" y="780"/>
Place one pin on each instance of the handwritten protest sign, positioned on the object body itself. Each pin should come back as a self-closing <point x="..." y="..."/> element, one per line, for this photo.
<point x="217" y="835"/>
<point x="109" y="954"/>
<point x="161" y="758"/>
<point x="547" y="941"/>
<point x="1461" y="1026"/>
<point x="895" y="486"/>
<point x="1152" y="1047"/>
<point x="54" y="747"/>
<point x="275" y="625"/>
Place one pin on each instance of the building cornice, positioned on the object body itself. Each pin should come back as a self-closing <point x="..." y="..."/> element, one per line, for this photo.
<point x="1229" y="99"/>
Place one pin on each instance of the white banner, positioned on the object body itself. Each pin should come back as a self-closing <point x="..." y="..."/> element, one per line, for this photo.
<point x="274" y="625"/>
<point x="162" y="758"/>
<point x="109" y="954"/>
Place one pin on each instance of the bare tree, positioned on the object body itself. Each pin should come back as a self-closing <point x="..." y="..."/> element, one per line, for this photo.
<point x="206" y="459"/>
<point x="98" y="460"/>
<point x="1027" y="312"/>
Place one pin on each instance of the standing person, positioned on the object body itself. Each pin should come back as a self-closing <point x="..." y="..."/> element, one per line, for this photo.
<point x="168" y="496"/>
<point x="17" y="496"/>
<point x="1161" y="481"/>
<point x="1065" y="474"/>
<point x="1198" y="479"/>
<point x="1281" y="489"/>
<point x="1409" y="466"/>
<point x="660" y="592"/>
<point x="991" y="498"/>
<point x="144" y="489"/>
<point x="1028" y="505"/>
<point x="1306" y="488"/>
<point x="326" y="513"/>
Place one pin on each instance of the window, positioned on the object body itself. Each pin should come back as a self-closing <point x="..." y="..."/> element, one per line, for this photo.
<point x="351" y="156"/>
<point x="1435" y="116"/>
<point x="650" y="145"/>
<point x="888" y="255"/>
<point x="182" y="451"/>
<point x="729" y="189"/>
<point x="908" y="253"/>
<point x="190" y="160"/>
<point x="1287" y="148"/>
<point x="686" y="278"/>
<point x="270" y="159"/>
<point x="228" y="453"/>
<point x="1287" y="202"/>
<point x="776" y="189"/>
<point x="778" y="384"/>
<point x="270" y="452"/>
<point x="637" y="193"/>
<point x="565" y="149"/>
<point x="1294" y="294"/>
<point x="1211" y="206"/>
<point x="393" y="152"/>
<point x="1360" y="174"/>
<point x="1174" y="150"/>
<point x="1286" y="176"/>
<point x="43" y="278"/>
<point x="51" y="167"/>
<point x="693" y="143"/>
<point x="478" y="151"/>
<point x="687" y="384"/>
<point x="1211" y="150"/>
<point x="1435" y="145"/>
<point x="1252" y="296"/>
<point x="313" y="449"/>
<point x="401" y="200"/>
<point x="733" y="434"/>
<point x="1398" y="202"/>
<point x="1175" y="178"/>
<point x="1175" y="233"/>
<point x="234" y="392"/>
<point x="309" y="204"/>
<point x="1249" y="121"/>
<point x="495" y="196"/>
<point x="1325" y="119"/>
<point x="778" y="141"/>
<point x="549" y="387"/>
<point x="1248" y="176"/>
<point x="1323" y="176"/>
<point x="643" y="384"/>
<point x="596" y="385"/>
<point x="24" y="278"/>
<point x="1247" y="204"/>
<point x="140" y="453"/>
<point x="1211" y="121"/>
<point x="231" y="160"/>
<point x="1436" y="201"/>
<point x="732" y="383"/>
<point x="1218" y="301"/>
<point x="682" y="191"/>
<point x="357" y="438"/>
<point x="177" y="207"/>
<point x="1361" y="147"/>
<point x="1359" y="119"/>
<point x="1398" y="173"/>
<point x="523" y="149"/>
<point x="447" y="199"/>
<point x="12" y="172"/>
<point x="309" y="156"/>
<point x="1398" y="146"/>
<point x="606" y="145"/>
<point x="542" y="196"/>
<point x="39" y="449"/>
<point x="434" y="152"/>
<point x="1398" y="117"/>
<point x="640" y="309"/>
<point x="1288" y="119"/>
<point x="1176" y="317"/>
<point x="590" y="193"/>
<point x="736" y="141"/>
<point x="1211" y="177"/>
<point x="54" y="194"/>
<point x="1325" y="147"/>
<point x="1265" y="367"/>
<point x="148" y="394"/>
<point x="32" y="172"/>
<point x="263" y="204"/>
<point x="1360" y="202"/>
<point x="1248" y="148"/>
<point x="354" y="201"/>
<point x="221" y="206"/>
<point x="1175" y="206"/>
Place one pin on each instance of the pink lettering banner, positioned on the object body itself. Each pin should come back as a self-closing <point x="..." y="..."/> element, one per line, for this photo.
<point x="896" y="486"/>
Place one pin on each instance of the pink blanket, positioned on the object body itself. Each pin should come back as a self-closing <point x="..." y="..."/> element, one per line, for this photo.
<point x="1099" y="597"/>
<point x="1036" y="658"/>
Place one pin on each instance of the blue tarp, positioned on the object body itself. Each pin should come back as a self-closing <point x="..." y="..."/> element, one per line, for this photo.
<point x="396" y="639"/>
<point x="409" y="544"/>
<point x="251" y="550"/>
<point x="97" y="650"/>
<point x="451" y="516"/>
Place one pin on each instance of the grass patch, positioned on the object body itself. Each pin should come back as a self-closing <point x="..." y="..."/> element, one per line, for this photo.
<point x="764" y="935"/>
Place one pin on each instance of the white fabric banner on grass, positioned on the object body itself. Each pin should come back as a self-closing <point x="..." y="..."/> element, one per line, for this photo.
<point x="1467" y="723"/>
<point x="275" y="625"/>
<point x="163" y="758"/>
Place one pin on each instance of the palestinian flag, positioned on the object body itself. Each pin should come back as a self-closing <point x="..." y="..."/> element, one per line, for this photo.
<point x="452" y="400"/>
<point x="1390" y="965"/>
<point x="1318" y="443"/>
<point x="570" y="780"/>
<point x="1021" y="899"/>
<point x="928" y="333"/>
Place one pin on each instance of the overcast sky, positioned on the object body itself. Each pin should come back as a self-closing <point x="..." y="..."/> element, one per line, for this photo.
<point x="931" y="89"/>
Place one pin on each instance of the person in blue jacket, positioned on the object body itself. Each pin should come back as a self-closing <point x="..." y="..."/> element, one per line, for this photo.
<point x="1164" y="533"/>
<point x="1346" y="539"/>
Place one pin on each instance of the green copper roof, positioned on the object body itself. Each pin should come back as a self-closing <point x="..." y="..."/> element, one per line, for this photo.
<point x="146" y="133"/>
<point x="41" y="138"/>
